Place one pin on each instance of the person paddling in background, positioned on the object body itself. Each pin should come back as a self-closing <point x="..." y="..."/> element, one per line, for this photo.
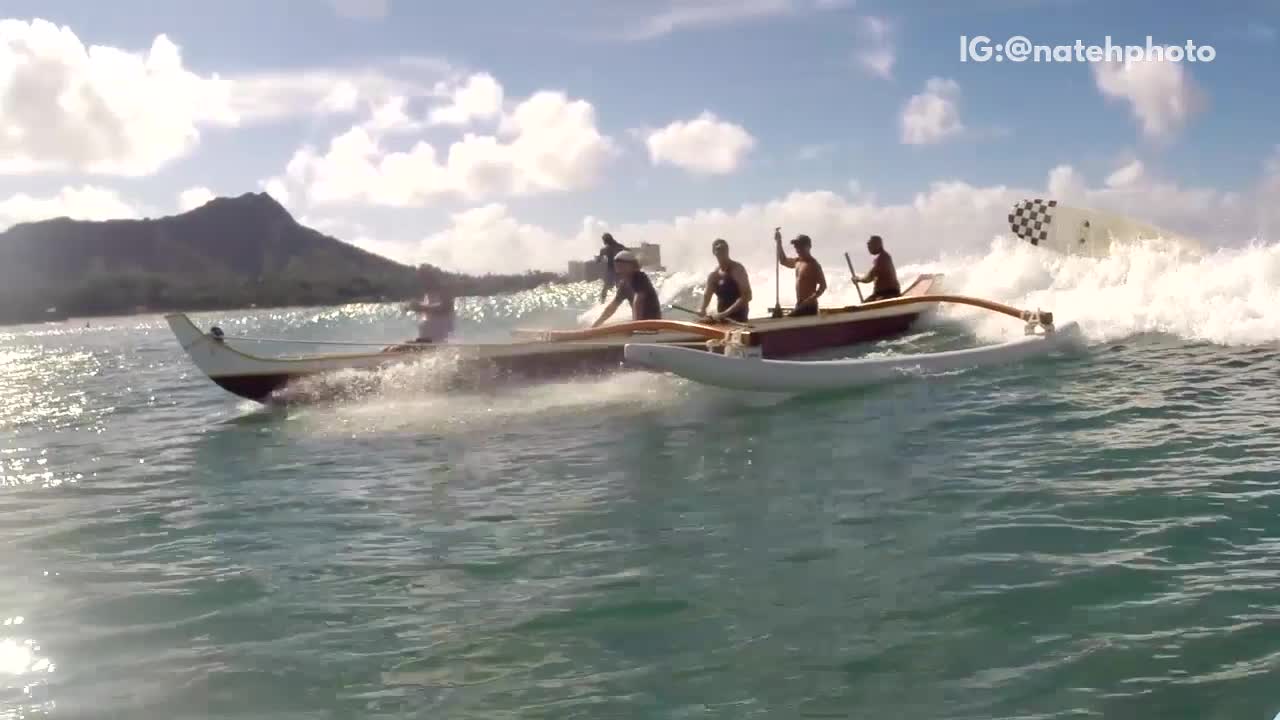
<point x="609" y="253"/>
<point x="730" y="286"/>
<point x="436" y="314"/>
<point x="810" y="280"/>
<point x="635" y="287"/>
<point x="882" y="272"/>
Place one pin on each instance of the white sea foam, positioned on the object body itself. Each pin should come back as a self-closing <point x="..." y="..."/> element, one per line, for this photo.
<point x="1229" y="296"/>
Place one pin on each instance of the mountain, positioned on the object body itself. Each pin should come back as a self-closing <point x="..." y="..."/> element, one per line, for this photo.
<point x="228" y="253"/>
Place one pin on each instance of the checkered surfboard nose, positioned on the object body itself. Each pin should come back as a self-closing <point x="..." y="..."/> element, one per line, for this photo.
<point x="1030" y="219"/>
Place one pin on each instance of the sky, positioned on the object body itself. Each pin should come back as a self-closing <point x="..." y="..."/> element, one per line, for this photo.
<point x="505" y="135"/>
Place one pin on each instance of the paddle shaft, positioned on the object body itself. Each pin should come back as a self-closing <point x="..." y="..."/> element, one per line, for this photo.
<point x="777" y="280"/>
<point x="681" y="308"/>
<point x="856" y="286"/>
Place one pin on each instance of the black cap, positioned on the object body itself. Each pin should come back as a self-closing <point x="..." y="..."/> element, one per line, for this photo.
<point x="802" y="240"/>
<point x="720" y="242"/>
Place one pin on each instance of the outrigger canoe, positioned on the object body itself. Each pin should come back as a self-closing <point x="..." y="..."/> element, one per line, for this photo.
<point x="543" y="355"/>
<point x="740" y="366"/>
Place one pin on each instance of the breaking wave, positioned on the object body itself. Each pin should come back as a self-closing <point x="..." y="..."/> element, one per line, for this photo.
<point x="1228" y="297"/>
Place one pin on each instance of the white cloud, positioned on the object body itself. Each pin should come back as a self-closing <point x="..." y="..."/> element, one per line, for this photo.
<point x="548" y="143"/>
<point x="277" y="95"/>
<point x="392" y="116"/>
<point x="948" y="219"/>
<point x="1126" y="176"/>
<point x="677" y="15"/>
<point x="68" y="107"/>
<point x="65" y="107"/>
<point x="362" y="9"/>
<point x="85" y="202"/>
<point x="1161" y="94"/>
<point x="877" y="53"/>
<point x="703" y="145"/>
<point x="479" y="99"/>
<point x="681" y="14"/>
<point x="192" y="198"/>
<point x="277" y="188"/>
<point x="932" y="116"/>
<point x="1066" y="184"/>
<point x="487" y="239"/>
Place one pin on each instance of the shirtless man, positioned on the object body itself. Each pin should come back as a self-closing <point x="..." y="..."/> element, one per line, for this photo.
<point x="810" y="280"/>
<point x="882" y="272"/>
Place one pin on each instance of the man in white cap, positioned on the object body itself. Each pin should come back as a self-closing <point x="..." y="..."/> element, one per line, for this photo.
<point x="635" y="287"/>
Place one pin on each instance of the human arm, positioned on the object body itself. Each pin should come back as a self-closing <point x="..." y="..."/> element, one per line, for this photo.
<point x="609" y="310"/>
<point x="876" y="266"/>
<point x="706" y="294"/>
<point x="782" y="256"/>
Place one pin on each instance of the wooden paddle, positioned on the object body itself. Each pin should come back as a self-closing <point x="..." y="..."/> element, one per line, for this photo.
<point x="777" y="278"/>
<point x="855" y="277"/>
<point x="698" y="314"/>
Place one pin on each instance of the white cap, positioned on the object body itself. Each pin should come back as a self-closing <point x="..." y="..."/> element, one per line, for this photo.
<point x="625" y="256"/>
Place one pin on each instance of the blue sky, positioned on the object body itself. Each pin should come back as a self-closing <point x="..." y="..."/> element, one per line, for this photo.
<point x="821" y="87"/>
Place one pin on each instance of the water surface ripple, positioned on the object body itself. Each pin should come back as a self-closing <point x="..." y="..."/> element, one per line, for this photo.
<point x="1086" y="536"/>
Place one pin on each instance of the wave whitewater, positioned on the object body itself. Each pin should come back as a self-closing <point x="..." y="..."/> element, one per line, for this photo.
<point x="1227" y="297"/>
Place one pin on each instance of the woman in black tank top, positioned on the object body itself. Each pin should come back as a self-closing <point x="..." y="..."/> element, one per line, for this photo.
<point x="727" y="293"/>
<point x="729" y="283"/>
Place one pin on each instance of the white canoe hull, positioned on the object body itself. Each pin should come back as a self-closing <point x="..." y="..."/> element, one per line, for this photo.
<point x="798" y="376"/>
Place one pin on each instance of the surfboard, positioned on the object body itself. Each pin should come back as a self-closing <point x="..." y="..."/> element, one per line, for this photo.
<point x="1080" y="231"/>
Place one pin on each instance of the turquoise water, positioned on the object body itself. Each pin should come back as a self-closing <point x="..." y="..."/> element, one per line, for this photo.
<point x="1094" y="535"/>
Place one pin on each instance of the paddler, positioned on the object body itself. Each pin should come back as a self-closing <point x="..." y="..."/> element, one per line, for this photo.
<point x="635" y="287"/>
<point x="729" y="284"/>
<point x="436" y="314"/>
<point x="810" y="280"/>
<point x="882" y="272"/>
<point x="608" y="254"/>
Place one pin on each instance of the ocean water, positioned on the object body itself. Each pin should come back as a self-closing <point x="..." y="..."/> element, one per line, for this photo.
<point x="1095" y="535"/>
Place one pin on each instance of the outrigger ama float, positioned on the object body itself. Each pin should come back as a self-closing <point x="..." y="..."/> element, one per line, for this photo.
<point x="555" y="354"/>
<point x="739" y="364"/>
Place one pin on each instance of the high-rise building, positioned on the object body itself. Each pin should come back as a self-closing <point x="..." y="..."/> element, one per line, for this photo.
<point x="649" y="255"/>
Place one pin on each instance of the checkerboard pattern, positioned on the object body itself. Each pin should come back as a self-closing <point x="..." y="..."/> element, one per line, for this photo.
<point x="1030" y="219"/>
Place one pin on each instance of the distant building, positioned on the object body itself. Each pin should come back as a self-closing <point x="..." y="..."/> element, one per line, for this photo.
<point x="588" y="271"/>
<point x="649" y="255"/>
